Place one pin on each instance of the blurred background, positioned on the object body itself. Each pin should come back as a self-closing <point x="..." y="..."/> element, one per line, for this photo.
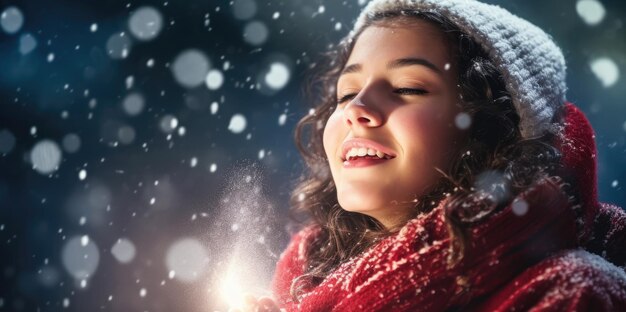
<point x="146" y="152"/>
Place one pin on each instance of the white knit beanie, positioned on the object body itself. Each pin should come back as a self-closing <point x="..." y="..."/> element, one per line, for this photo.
<point x="532" y="65"/>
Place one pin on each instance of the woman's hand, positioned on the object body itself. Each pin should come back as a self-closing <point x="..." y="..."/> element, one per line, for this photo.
<point x="252" y="304"/>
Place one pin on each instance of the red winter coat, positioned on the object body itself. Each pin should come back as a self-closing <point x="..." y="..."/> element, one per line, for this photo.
<point x="531" y="261"/>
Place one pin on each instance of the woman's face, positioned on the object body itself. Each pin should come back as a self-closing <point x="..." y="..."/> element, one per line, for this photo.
<point x="394" y="125"/>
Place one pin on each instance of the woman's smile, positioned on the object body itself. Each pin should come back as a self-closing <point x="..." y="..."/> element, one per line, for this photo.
<point x="360" y="152"/>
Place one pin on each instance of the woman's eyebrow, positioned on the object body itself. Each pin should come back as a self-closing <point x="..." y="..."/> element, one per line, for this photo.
<point x="352" y="68"/>
<point x="403" y="62"/>
<point x="412" y="62"/>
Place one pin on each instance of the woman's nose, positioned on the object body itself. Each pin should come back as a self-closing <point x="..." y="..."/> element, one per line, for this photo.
<point x="358" y="113"/>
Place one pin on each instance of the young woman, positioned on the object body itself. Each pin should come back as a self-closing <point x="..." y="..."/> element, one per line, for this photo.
<point x="448" y="172"/>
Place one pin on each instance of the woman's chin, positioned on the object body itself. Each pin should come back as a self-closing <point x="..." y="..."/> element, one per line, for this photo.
<point x="373" y="206"/>
<point x="358" y="202"/>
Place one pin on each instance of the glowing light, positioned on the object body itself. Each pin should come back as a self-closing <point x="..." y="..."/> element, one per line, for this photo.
<point x="255" y="33"/>
<point x="592" y="12"/>
<point x="190" y="68"/>
<point x="28" y="43"/>
<point x="11" y="20"/>
<point x="71" y="143"/>
<point x="145" y="23"/>
<point x="230" y="288"/>
<point x="133" y="103"/>
<point x="168" y="123"/>
<point x="244" y="9"/>
<point x="82" y="175"/>
<point x="80" y="257"/>
<point x="605" y="70"/>
<point x="520" y="207"/>
<point x="237" y="123"/>
<point x="45" y="156"/>
<point x="214" y="79"/>
<point x="126" y="134"/>
<point x="463" y="121"/>
<point x="278" y="76"/>
<point x="282" y="119"/>
<point x="124" y="250"/>
<point x="118" y="46"/>
<point x="130" y="80"/>
<point x="188" y="258"/>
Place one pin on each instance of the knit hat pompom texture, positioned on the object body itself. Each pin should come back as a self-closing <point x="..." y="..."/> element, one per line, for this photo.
<point x="532" y="65"/>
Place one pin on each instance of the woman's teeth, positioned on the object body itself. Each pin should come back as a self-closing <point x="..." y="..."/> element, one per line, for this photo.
<point x="363" y="151"/>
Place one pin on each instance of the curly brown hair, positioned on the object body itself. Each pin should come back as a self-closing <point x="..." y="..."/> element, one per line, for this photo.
<point x="492" y="166"/>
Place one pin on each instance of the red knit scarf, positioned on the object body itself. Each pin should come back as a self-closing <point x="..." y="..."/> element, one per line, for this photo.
<point x="409" y="271"/>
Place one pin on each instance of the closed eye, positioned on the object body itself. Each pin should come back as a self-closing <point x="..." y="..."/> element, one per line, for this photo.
<point x="409" y="91"/>
<point x="346" y="98"/>
<point x="401" y="91"/>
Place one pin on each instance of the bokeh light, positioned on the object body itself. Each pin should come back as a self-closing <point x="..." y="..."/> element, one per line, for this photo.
<point x="592" y="12"/>
<point x="46" y="156"/>
<point x="168" y="123"/>
<point x="133" y="104"/>
<point x="255" y="33"/>
<point x="190" y="68"/>
<point x="237" y="123"/>
<point x="277" y="76"/>
<point x="71" y="143"/>
<point x="145" y="23"/>
<point x="28" y="43"/>
<point x="187" y="258"/>
<point x="11" y="20"/>
<point x="80" y="257"/>
<point x="118" y="46"/>
<point x="244" y="9"/>
<point x="463" y="120"/>
<point x="124" y="250"/>
<point x="214" y="79"/>
<point x="606" y="71"/>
